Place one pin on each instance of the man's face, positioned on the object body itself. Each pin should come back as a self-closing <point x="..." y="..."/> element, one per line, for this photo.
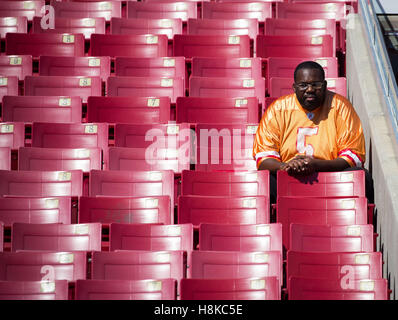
<point x="310" y="88"/>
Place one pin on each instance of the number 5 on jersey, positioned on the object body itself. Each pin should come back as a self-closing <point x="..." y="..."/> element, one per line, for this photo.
<point x="302" y="133"/>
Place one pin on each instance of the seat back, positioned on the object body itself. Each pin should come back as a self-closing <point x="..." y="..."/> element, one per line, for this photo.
<point x="51" y="159"/>
<point x="8" y="86"/>
<point x="217" y="110"/>
<point x="54" y="44"/>
<point x="12" y="135"/>
<point x="331" y="238"/>
<point x="32" y="266"/>
<point x="318" y="10"/>
<point x="225" y="147"/>
<point x="128" y="45"/>
<point x="5" y="158"/>
<point x="320" y="211"/>
<point x="256" y="237"/>
<point x="146" y="87"/>
<point x="223" y="210"/>
<point x="169" y="67"/>
<point x="227" y="184"/>
<point x="34" y="290"/>
<point x="156" y="289"/>
<point x="241" y="10"/>
<point x="42" y="109"/>
<point x="168" y="27"/>
<point x="319" y="289"/>
<point x="165" y="10"/>
<point x="132" y="109"/>
<point x="125" y="210"/>
<point x="26" y="9"/>
<point x="41" y="183"/>
<point x="18" y="66"/>
<point x="86" y="26"/>
<point x="88" y="9"/>
<point x="75" y="66"/>
<point x="35" y="210"/>
<point x="151" y="237"/>
<point x="248" y="68"/>
<point x="223" y="27"/>
<point x="82" y="87"/>
<point x="232" y="46"/>
<point x="266" y="288"/>
<point x="295" y="46"/>
<point x="56" y="237"/>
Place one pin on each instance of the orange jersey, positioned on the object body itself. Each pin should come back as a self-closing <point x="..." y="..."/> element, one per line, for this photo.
<point x="331" y="131"/>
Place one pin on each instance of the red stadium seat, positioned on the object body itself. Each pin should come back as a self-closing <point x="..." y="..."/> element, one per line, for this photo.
<point x="168" y="27"/>
<point x="42" y="109"/>
<point x="57" y="159"/>
<point x="236" y="265"/>
<point x="138" y="46"/>
<point x="77" y="10"/>
<point x="75" y="66"/>
<point x="34" y="290"/>
<point x="217" y="110"/>
<point x="159" y="289"/>
<point x="138" y="265"/>
<point x="227" y="87"/>
<point x="166" y="10"/>
<point x="41" y="183"/>
<point x="12" y="135"/>
<point x="125" y="210"/>
<point x="223" y="210"/>
<point x="151" y="237"/>
<point x="322" y="184"/>
<point x="139" y="110"/>
<point x="233" y="153"/>
<point x="319" y="211"/>
<point x="146" y="87"/>
<point x="334" y="265"/>
<point x="8" y="85"/>
<point x="266" y="288"/>
<point x="49" y="44"/>
<point x="243" y="10"/>
<point x="318" y="289"/>
<point x="228" y="184"/>
<point x="232" y="46"/>
<point x="13" y="24"/>
<point x="283" y="86"/>
<point x="28" y="9"/>
<point x="331" y="238"/>
<point x="86" y="26"/>
<point x="294" y="46"/>
<point x="18" y="66"/>
<point x="170" y="67"/>
<point x="225" y="68"/>
<point x="223" y="27"/>
<point x="1" y="236"/>
<point x="132" y="183"/>
<point x="5" y="158"/>
<point x="284" y="67"/>
<point x="300" y="27"/>
<point x="35" y="210"/>
<point x="34" y="266"/>
<point x="151" y="147"/>
<point x="56" y="237"/>
<point x="256" y="237"/>
<point x="313" y="10"/>
<point x="63" y="86"/>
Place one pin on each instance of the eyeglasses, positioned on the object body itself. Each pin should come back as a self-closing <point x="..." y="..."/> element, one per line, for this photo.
<point x="305" y="85"/>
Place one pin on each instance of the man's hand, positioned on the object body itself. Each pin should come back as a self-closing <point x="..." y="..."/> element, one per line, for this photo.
<point x="300" y="165"/>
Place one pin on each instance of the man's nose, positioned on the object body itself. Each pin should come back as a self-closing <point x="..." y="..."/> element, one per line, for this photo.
<point x="310" y="88"/>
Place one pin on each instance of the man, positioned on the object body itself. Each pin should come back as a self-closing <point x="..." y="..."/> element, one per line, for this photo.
<point x="310" y="130"/>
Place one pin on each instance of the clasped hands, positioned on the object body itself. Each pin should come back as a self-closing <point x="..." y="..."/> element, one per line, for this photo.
<point x="300" y="165"/>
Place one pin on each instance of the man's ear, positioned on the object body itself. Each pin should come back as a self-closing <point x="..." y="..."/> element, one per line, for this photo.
<point x="294" y="88"/>
<point x="326" y="83"/>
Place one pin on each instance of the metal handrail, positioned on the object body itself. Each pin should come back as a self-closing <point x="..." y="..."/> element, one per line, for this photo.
<point x="382" y="60"/>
